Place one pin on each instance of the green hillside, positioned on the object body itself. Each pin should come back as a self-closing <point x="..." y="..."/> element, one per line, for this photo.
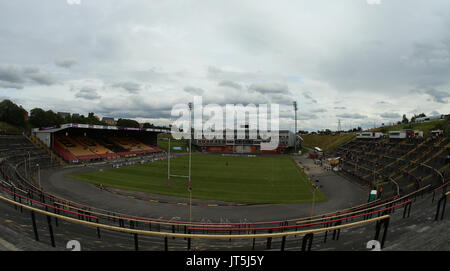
<point x="6" y="128"/>
<point x="426" y="127"/>
<point x="327" y="142"/>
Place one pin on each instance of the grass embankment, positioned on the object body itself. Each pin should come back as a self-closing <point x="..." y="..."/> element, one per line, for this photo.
<point x="327" y="142"/>
<point x="6" y="128"/>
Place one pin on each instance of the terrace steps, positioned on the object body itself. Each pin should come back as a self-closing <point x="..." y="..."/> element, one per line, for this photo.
<point x="432" y="157"/>
<point x="38" y="143"/>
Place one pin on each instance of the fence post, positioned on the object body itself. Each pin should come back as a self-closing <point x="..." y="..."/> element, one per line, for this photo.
<point x="98" y="231"/>
<point x="385" y="223"/>
<point x="253" y="245"/>
<point x="189" y="244"/>
<point x="136" y="242"/>
<point x="14" y="194"/>
<point x="307" y="240"/>
<point x="269" y="241"/>
<point x="283" y="242"/>
<point x="20" y="201"/>
<point x="407" y="207"/>
<point x="50" y="229"/>
<point x="337" y="232"/>
<point x="33" y="219"/>
<point x="443" y="200"/>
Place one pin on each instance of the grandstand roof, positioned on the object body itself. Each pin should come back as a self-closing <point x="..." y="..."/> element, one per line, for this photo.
<point x="89" y="126"/>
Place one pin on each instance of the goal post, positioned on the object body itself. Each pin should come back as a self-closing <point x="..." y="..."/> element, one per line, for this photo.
<point x="190" y="155"/>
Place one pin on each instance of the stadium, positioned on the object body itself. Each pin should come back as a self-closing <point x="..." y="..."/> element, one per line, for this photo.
<point x="106" y="187"/>
<point x="122" y="180"/>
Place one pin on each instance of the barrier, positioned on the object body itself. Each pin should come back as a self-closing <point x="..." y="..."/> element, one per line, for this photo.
<point x="122" y="218"/>
<point x="164" y="222"/>
<point x="189" y="236"/>
<point x="443" y="187"/>
<point x="443" y="201"/>
<point x="336" y="221"/>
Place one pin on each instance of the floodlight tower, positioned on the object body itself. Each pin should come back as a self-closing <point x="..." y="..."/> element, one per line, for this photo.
<point x="295" y="125"/>
<point x="190" y="159"/>
<point x="190" y="143"/>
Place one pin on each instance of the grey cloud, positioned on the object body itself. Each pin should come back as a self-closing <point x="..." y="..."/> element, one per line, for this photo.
<point x="11" y="74"/>
<point x="352" y="63"/>
<point x="242" y="76"/>
<point x="131" y="87"/>
<point x="351" y="116"/>
<point x="388" y="115"/>
<point x="66" y="62"/>
<point x="42" y="78"/>
<point x="438" y="96"/>
<point x="308" y="96"/>
<point x="434" y="113"/>
<point x="152" y="75"/>
<point x="265" y="88"/>
<point x="280" y="98"/>
<point x="229" y="83"/>
<point x="431" y="52"/>
<point x="134" y="107"/>
<point x="18" y="76"/>
<point x="4" y="84"/>
<point x="235" y="97"/>
<point x="194" y="91"/>
<point x="340" y="107"/>
<point x="88" y="94"/>
<point x="319" y="110"/>
<point x="306" y="116"/>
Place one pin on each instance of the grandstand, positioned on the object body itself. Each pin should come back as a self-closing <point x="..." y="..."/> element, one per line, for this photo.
<point x="411" y="171"/>
<point x="397" y="164"/>
<point x="210" y="143"/>
<point x="80" y="142"/>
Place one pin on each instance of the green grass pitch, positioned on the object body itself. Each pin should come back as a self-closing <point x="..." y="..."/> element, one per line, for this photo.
<point x="260" y="179"/>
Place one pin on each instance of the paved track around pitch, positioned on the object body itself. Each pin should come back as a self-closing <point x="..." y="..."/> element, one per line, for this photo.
<point x="341" y="193"/>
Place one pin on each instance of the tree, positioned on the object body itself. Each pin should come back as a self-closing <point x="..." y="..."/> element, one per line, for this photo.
<point x="127" y="123"/>
<point x="148" y="125"/>
<point x="405" y="119"/>
<point x="41" y="118"/>
<point x="12" y="113"/>
<point x="38" y="117"/>
<point x="421" y="115"/>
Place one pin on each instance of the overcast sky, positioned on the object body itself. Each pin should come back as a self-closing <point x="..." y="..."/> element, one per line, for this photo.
<point x="362" y="63"/>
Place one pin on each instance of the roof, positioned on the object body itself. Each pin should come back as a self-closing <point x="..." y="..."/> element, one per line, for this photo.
<point x="90" y="126"/>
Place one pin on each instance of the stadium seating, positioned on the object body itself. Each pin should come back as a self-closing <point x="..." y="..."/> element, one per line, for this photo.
<point x="15" y="186"/>
<point x="87" y="148"/>
<point x="409" y="163"/>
